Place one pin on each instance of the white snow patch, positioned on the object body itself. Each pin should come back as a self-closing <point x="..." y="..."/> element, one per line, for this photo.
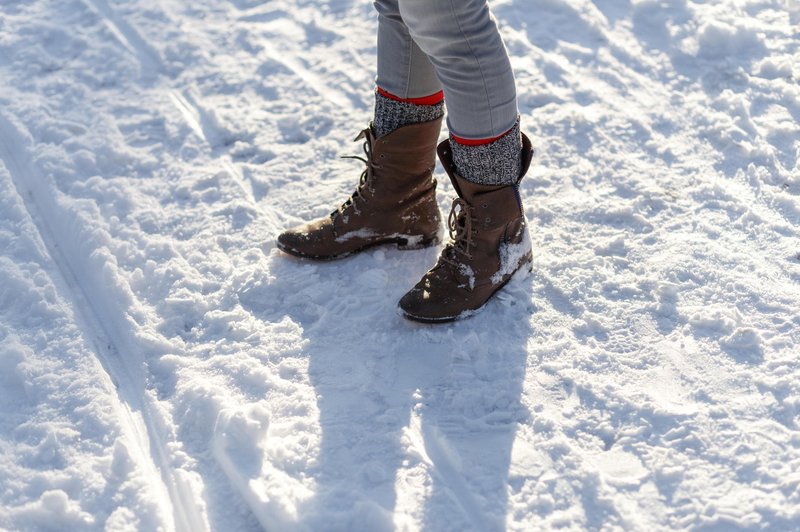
<point x="360" y="233"/>
<point x="467" y="271"/>
<point x="53" y="511"/>
<point x="719" y="39"/>
<point x="510" y="257"/>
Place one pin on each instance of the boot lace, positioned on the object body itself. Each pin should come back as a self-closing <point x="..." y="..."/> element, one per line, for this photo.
<point x="459" y="224"/>
<point x="366" y="179"/>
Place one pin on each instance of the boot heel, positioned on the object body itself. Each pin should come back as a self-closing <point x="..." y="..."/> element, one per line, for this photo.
<point x="417" y="242"/>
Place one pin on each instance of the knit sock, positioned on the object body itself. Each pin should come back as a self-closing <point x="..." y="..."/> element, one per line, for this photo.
<point x="495" y="161"/>
<point x="392" y="112"/>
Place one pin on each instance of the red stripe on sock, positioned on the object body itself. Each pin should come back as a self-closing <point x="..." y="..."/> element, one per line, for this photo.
<point x="479" y="142"/>
<point x="433" y="99"/>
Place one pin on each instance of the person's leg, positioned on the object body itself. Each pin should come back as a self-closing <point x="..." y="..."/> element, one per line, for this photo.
<point x="485" y="158"/>
<point x="408" y="90"/>
<point x="395" y="200"/>
<point x="462" y="41"/>
<point x="403" y="69"/>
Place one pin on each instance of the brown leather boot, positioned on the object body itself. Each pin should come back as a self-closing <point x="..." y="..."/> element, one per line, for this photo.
<point x="394" y="203"/>
<point x="489" y="243"/>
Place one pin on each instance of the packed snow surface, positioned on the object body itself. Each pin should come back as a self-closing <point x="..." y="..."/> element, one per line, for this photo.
<point x="164" y="367"/>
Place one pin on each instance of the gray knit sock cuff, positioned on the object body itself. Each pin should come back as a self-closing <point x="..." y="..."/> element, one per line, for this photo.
<point x="392" y="114"/>
<point x="497" y="163"/>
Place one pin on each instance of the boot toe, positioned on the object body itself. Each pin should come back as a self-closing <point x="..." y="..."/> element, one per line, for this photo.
<point x="314" y="240"/>
<point x="411" y="303"/>
<point x="413" y="307"/>
<point x="295" y="242"/>
<point x="421" y="304"/>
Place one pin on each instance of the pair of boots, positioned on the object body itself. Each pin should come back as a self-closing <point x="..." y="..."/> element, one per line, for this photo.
<point x="395" y="203"/>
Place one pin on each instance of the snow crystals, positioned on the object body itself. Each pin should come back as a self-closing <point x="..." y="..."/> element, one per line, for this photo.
<point x="164" y="367"/>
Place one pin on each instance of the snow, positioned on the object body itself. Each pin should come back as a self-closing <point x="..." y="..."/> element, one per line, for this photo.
<point x="164" y="367"/>
<point x="511" y="256"/>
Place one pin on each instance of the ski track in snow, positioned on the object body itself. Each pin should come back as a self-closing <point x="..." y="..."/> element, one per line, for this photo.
<point x="120" y="356"/>
<point x="644" y="377"/>
<point x="42" y="365"/>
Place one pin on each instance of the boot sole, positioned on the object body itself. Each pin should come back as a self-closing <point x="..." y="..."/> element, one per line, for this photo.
<point x="527" y="262"/>
<point x="402" y="244"/>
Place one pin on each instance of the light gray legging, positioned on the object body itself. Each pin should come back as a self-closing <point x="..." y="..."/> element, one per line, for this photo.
<point x="425" y="46"/>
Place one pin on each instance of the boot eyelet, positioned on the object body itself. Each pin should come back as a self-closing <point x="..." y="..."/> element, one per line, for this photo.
<point x="485" y="205"/>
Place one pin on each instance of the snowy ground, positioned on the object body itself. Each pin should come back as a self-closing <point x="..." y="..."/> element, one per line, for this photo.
<point x="163" y="366"/>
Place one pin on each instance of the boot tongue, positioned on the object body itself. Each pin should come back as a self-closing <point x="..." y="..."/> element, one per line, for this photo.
<point x="466" y="190"/>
